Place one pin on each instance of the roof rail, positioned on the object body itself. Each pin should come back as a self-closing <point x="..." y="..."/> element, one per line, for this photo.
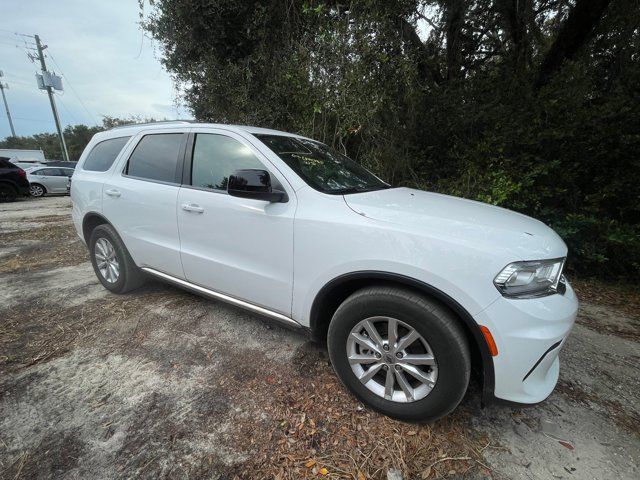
<point x="151" y="123"/>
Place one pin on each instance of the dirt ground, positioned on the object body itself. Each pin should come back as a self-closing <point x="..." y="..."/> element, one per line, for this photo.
<point x="160" y="383"/>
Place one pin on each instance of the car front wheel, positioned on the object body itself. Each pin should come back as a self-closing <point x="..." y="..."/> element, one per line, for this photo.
<point x="401" y="353"/>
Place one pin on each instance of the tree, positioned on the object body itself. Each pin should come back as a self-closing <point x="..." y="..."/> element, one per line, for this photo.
<point x="529" y="104"/>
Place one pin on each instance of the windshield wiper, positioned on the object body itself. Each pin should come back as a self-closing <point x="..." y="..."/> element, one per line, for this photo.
<point x="348" y="190"/>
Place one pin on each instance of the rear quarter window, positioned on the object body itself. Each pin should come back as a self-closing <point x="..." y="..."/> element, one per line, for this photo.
<point x="103" y="154"/>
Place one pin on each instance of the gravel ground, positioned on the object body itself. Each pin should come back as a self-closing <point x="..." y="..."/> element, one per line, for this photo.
<point x="160" y="383"/>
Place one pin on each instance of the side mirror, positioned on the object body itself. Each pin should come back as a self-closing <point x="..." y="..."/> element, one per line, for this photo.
<point x="256" y="184"/>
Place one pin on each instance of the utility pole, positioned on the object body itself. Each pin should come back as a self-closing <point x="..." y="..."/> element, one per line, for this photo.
<point x="6" y="105"/>
<point x="49" y="88"/>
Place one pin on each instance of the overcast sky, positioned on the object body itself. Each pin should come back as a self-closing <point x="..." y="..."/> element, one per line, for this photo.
<point x="108" y="68"/>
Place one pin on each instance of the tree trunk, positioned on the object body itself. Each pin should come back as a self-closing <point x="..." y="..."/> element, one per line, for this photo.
<point x="573" y="34"/>
<point x="455" y="14"/>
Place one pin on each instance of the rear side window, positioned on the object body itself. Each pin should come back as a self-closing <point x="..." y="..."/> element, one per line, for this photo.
<point x="49" y="172"/>
<point x="6" y="164"/>
<point x="156" y="157"/>
<point x="103" y="154"/>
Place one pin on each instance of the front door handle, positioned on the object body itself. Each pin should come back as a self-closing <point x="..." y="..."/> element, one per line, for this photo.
<point x="113" y="192"/>
<point x="192" y="207"/>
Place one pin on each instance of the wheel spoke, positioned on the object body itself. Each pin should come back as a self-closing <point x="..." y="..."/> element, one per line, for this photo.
<point x="392" y="334"/>
<point x="368" y="375"/>
<point x="362" y="359"/>
<point x="404" y="385"/>
<point x="373" y="333"/>
<point x="100" y="257"/>
<point x="114" y="272"/>
<point x="407" y="340"/>
<point x="422" y="359"/>
<point x="100" y="248"/>
<point x="365" y="342"/>
<point x="388" y="384"/>
<point x="418" y="374"/>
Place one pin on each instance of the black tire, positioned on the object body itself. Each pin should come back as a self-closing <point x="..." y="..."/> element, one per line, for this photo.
<point x="8" y="193"/>
<point x="36" y="190"/>
<point x="437" y="325"/>
<point x="130" y="276"/>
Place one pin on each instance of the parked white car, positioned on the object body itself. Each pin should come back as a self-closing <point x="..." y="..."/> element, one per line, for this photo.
<point x="43" y="180"/>
<point x="411" y="290"/>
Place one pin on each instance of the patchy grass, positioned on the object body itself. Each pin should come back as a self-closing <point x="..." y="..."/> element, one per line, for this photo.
<point x="49" y="246"/>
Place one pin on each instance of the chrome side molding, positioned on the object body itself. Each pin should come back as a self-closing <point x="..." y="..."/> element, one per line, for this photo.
<point x="221" y="296"/>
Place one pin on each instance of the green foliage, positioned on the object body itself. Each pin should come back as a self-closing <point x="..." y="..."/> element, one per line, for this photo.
<point x="453" y="106"/>
<point x="76" y="138"/>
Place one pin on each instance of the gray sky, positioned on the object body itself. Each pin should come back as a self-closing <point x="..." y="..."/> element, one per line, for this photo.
<point x="98" y="48"/>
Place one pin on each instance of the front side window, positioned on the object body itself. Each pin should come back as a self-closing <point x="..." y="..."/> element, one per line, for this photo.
<point x="156" y="157"/>
<point x="216" y="157"/>
<point x="322" y="167"/>
<point x="104" y="154"/>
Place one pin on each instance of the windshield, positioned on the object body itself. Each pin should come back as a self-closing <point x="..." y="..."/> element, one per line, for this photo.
<point x="322" y="167"/>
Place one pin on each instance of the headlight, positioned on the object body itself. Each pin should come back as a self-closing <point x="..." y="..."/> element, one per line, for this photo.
<point x="530" y="279"/>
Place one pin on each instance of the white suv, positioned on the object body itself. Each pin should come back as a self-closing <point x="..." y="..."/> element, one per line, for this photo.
<point x="411" y="290"/>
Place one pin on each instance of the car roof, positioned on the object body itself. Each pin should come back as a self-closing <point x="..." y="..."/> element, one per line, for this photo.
<point x="134" y="128"/>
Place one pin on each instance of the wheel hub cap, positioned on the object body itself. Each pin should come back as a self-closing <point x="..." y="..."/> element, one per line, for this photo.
<point x="392" y="359"/>
<point x="107" y="261"/>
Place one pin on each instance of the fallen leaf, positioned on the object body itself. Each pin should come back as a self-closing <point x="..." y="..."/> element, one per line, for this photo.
<point x="323" y="471"/>
<point x="361" y="476"/>
<point x="566" y="444"/>
<point x="310" y="463"/>
<point x="426" y="472"/>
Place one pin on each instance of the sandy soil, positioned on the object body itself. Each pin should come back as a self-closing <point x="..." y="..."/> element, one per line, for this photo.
<point x="163" y="384"/>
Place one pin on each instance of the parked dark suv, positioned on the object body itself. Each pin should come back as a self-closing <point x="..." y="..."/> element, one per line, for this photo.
<point x="13" y="181"/>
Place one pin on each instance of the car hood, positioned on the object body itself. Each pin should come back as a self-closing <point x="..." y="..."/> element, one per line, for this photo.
<point x="460" y="220"/>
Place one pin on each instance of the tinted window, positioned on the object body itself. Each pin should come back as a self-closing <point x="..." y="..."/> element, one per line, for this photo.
<point x="50" y="172"/>
<point x="216" y="157"/>
<point x="67" y="172"/>
<point x="103" y="154"/>
<point x="37" y="172"/>
<point x="322" y="167"/>
<point x="156" y="157"/>
<point x="6" y="164"/>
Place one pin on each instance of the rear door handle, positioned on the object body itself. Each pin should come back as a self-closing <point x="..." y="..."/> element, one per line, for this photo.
<point x="113" y="192"/>
<point x="192" y="207"/>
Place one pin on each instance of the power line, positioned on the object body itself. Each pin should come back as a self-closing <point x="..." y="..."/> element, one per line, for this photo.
<point x="72" y="89"/>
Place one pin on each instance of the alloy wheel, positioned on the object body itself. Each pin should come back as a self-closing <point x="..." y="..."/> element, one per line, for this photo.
<point x="392" y="359"/>
<point x="36" y="190"/>
<point x="106" y="260"/>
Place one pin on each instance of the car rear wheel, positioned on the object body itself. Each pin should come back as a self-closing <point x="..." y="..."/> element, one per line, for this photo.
<point x="401" y="353"/>
<point x="7" y="193"/>
<point x="111" y="261"/>
<point x="36" y="190"/>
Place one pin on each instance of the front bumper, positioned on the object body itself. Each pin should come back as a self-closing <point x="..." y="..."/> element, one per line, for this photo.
<point x="529" y="334"/>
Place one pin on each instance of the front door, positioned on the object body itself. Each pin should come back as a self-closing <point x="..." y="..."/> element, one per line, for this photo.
<point x="236" y="246"/>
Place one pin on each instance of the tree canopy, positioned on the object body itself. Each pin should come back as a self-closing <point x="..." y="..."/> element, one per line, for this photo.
<point x="528" y="104"/>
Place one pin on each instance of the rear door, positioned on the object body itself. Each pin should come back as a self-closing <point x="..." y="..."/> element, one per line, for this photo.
<point x="140" y="199"/>
<point x="237" y="246"/>
<point x="54" y="179"/>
